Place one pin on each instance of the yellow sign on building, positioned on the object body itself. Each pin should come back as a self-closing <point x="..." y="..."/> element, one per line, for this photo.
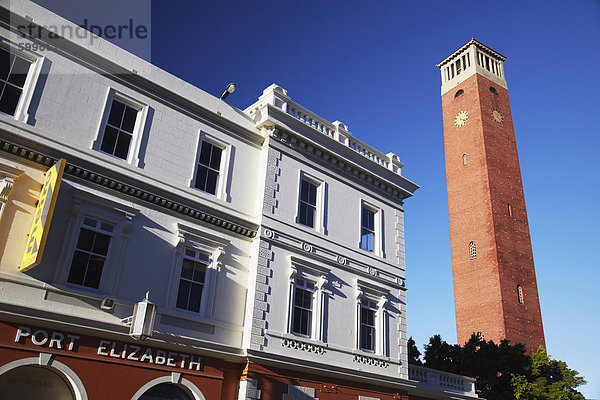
<point x="42" y="217"/>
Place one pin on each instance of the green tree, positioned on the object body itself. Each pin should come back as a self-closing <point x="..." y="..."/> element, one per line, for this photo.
<point x="492" y="365"/>
<point x="548" y="380"/>
<point x="414" y="355"/>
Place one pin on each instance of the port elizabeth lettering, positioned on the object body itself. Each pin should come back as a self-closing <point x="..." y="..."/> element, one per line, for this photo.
<point x="107" y="348"/>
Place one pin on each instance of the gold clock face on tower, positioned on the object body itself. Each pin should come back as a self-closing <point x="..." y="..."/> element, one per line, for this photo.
<point x="497" y="116"/>
<point x="461" y="118"/>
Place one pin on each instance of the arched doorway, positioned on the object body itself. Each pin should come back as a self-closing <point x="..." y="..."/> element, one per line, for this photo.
<point x="34" y="382"/>
<point x="165" y="391"/>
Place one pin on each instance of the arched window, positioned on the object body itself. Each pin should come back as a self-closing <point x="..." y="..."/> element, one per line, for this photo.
<point x="464" y="158"/>
<point x="493" y="90"/>
<point x="17" y="384"/>
<point x="165" y="391"/>
<point x="520" y="294"/>
<point x="472" y="250"/>
<point x="458" y="93"/>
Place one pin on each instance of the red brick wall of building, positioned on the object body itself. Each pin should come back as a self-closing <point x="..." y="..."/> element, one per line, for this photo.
<point x="485" y="289"/>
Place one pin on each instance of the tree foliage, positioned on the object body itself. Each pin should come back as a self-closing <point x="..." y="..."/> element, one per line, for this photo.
<point x="502" y="371"/>
<point x="414" y="354"/>
<point x="548" y="380"/>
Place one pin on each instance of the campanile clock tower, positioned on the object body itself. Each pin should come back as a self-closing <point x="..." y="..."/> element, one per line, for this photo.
<point x="495" y="289"/>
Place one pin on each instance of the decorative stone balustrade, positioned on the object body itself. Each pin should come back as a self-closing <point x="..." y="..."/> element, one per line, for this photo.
<point x="439" y="380"/>
<point x="303" y="346"/>
<point x="277" y="96"/>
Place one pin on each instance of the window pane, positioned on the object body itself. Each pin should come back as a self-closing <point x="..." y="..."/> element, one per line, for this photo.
<point x="298" y="297"/>
<point x="211" y="182"/>
<point x="205" y="151"/>
<point x="215" y="160"/>
<point x="122" y="145"/>
<point x="94" y="272"/>
<point x="312" y="198"/>
<point x="86" y="239"/>
<point x="129" y="119"/>
<point x="109" y="140"/>
<point x="201" y="178"/>
<point x="10" y="99"/>
<point x="195" y="298"/>
<point x="19" y="71"/>
<point x="304" y="321"/>
<point x="310" y="216"/>
<point x="101" y="244"/>
<point x="296" y="321"/>
<point x="199" y="272"/>
<point x="187" y="269"/>
<point x="183" y="294"/>
<point x="116" y="113"/>
<point x="307" y="299"/>
<point x="78" y="267"/>
<point x="5" y="61"/>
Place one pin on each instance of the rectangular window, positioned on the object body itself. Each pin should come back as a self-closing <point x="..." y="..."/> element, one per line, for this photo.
<point x="13" y="74"/>
<point x="367" y="229"/>
<point x="303" y="306"/>
<point x="209" y="165"/>
<point x="368" y="311"/>
<point x="191" y="281"/>
<point x="90" y="253"/>
<point x="308" y="203"/>
<point x="119" y="129"/>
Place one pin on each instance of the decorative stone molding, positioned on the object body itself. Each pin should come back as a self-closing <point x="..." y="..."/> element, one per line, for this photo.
<point x="262" y="291"/>
<point x="6" y="185"/>
<point x="307" y="247"/>
<point x="133" y="191"/>
<point x="248" y="390"/>
<point x="370" y="361"/>
<point x="303" y="346"/>
<point x="268" y="233"/>
<point x="355" y="172"/>
<point x="271" y="180"/>
<point x="299" y="393"/>
<point x="373" y="271"/>
<point x="341" y="260"/>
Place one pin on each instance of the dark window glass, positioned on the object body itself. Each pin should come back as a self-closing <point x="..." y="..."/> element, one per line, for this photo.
<point x="89" y="257"/>
<point x="118" y="131"/>
<point x="367" y="325"/>
<point x="308" y="203"/>
<point x="367" y="230"/>
<point x="209" y="164"/>
<point x="302" y="313"/>
<point x="191" y="283"/>
<point x="13" y="74"/>
<point x="164" y="391"/>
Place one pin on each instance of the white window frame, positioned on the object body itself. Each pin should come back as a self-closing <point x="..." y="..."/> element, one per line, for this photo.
<point x="87" y="204"/>
<point x="378" y="295"/>
<point x="221" y="190"/>
<point x="211" y="245"/>
<point x="378" y="231"/>
<point x="138" y="130"/>
<point x="22" y="110"/>
<point x="316" y="274"/>
<point x="320" y="211"/>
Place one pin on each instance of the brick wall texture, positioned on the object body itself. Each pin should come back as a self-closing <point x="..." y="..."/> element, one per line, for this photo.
<point x="479" y="193"/>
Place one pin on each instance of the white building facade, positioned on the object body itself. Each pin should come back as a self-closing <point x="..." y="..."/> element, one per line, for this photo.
<point x="271" y="241"/>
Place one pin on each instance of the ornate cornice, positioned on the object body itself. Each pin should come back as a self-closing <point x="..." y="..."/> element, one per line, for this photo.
<point x="130" y="190"/>
<point x="343" y="166"/>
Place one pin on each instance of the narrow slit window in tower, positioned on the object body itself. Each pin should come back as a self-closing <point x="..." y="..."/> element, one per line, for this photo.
<point x="472" y="251"/>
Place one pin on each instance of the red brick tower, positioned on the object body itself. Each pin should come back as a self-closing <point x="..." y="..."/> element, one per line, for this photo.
<point x="495" y="289"/>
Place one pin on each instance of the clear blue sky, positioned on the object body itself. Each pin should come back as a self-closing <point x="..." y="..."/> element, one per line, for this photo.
<point x="371" y="65"/>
